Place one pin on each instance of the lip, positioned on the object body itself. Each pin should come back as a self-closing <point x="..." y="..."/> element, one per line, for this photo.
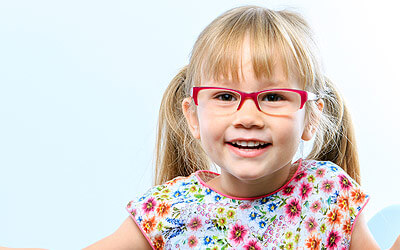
<point x="247" y="139"/>
<point x="246" y="153"/>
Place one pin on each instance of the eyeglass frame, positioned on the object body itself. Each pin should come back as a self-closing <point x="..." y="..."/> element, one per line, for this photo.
<point x="304" y="95"/>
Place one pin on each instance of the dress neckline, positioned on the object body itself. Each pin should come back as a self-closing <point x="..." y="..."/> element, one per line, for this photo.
<point x="210" y="174"/>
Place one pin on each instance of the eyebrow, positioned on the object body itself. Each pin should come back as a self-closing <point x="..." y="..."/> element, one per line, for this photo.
<point x="267" y="84"/>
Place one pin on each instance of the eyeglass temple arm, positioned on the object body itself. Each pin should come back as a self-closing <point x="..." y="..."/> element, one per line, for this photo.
<point x="312" y="96"/>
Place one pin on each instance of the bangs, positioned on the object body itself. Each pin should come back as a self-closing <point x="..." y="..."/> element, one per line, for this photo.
<point x="217" y="54"/>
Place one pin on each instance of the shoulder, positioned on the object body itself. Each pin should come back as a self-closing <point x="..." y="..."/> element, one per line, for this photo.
<point x="332" y="181"/>
<point x="155" y="209"/>
<point x="326" y="170"/>
<point x="167" y="191"/>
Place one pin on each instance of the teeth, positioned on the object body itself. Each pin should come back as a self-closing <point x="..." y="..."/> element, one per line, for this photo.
<point x="248" y="143"/>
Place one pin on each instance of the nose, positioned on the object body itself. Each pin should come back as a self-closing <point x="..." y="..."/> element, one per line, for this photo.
<point x="249" y="115"/>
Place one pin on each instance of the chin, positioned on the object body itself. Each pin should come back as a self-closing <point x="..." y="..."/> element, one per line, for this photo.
<point x="249" y="173"/>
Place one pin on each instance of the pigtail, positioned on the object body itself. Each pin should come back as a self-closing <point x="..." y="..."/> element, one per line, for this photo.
<point x="335" y="139"/>
<point x="178" y="153"/>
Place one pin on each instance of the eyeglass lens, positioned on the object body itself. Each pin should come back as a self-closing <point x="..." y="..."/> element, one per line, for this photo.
<point x="275" y="102"/>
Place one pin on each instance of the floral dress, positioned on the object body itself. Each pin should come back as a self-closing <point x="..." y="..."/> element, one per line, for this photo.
<point x="315" y="209"/>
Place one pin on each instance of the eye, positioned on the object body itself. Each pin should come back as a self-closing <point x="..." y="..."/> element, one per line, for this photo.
<point x="273" y="97"/>
<point x="227" y="97"/>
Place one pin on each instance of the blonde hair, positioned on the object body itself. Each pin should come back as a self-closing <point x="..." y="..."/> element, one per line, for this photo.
<point x="274" y="35"/>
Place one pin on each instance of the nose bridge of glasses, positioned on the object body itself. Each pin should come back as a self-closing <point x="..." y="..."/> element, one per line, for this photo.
<point x="251" y="96"/>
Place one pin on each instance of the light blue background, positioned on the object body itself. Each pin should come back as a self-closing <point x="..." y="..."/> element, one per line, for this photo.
<point x="80" y="87"/>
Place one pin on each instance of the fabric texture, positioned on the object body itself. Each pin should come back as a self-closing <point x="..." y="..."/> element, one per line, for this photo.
<point x="315" y="209"/>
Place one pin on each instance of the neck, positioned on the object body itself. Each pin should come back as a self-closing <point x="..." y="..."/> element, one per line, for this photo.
<point x="231" y="186"/>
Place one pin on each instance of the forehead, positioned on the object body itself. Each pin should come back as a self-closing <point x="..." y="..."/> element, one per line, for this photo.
<point x="248" y="74"/>
<point x="247" y="65"/>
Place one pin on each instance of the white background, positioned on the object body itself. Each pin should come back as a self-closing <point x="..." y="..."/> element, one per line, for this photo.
<point x="80" y="86"/>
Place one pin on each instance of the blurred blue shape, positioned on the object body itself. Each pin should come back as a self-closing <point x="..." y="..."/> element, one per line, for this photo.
<point x="385" y="226"/>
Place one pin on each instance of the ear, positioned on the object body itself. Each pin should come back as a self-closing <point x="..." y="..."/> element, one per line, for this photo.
<point x="191" y="117"/>
<point x="311" y="128"/>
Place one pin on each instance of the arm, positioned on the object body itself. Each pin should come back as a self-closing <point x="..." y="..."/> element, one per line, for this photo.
<point x="127" y="236"/>
<point x="361" y="238"/>
<point x="396" y="244"/>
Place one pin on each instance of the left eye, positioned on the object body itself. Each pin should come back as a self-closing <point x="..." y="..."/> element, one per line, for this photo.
<point x="273" y="97"/>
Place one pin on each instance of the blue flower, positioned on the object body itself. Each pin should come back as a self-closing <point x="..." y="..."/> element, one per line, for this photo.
<point x="218" y="198"/>
<point x="207" y="240"/>
<point x="265" y="200"/>
<point x="208" y="191"/>
<point x="253" y="215"/>
<point x="262" y="224"/>
<point x="142" y="198"/>
<point x="334" y="168"/>
<point x="334" y="197"/>
<point x="177" y="222"/>
<point x="272" y="207"/>
<point x="177" y="194"/>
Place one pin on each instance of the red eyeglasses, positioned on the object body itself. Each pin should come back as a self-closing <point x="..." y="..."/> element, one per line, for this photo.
<point x="270" y="101"/>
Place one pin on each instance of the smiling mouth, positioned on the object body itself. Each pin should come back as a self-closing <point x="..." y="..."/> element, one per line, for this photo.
<point x="259" y="146"/>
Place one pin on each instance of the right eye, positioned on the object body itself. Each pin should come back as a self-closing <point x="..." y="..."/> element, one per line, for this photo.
<point x="226" y="97"/>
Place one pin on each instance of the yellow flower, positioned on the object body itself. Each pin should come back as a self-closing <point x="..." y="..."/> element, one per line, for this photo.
<point x="289" y="245"/>
<point x="288" y="235"/>
<point x="222" y="221"/>
<point x="220" y="210"/>
<point x="323" y="228"/>
<point x="159" y="226"/>
<point x="230" y="214"/>
<point x="296" y="238"/>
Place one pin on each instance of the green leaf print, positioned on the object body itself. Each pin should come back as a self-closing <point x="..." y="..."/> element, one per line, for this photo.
<point x="176" y="213"/>
<point x="199" y="196"/>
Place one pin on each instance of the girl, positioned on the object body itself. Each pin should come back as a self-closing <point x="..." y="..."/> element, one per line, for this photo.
<point x="252" y="92"/>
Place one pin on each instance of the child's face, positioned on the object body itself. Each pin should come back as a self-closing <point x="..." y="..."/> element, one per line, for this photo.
<point x="216" y="132"/>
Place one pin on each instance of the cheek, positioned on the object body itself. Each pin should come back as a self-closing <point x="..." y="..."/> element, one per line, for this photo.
<point x="289" y="129"/>
<point x="211" y="129"/>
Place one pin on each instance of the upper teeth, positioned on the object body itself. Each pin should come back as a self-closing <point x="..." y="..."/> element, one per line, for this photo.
<point x="249" y="143"/>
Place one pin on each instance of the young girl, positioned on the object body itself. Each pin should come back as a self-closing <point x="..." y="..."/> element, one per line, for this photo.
<point x="252" y="92"/>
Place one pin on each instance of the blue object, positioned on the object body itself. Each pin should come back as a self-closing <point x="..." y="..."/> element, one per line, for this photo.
<point x="385" y="226"/>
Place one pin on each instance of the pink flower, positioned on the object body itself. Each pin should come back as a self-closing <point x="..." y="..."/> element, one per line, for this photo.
<point x="293" y="208"/>
<point x="192" y="241"/>
<point x="305" y="190"/>
<point x="327" y="186"/>
<point x="315" y="206"/>
<point x="344" y="182"/>
<point x="320" y="172"/>
<point x="245" y="206"/>
<point x="333" y="240"/>
<point x="195" y="223"/>
<point x="300" y="176"/>
<point x="311" y="224"/>
<point x="253" y="245"/>
<point x="237" y="233"/>
<point x="149" y="205"/>
<point x="288" y="190"/>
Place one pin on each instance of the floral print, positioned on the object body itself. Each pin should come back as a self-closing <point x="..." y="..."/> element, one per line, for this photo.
<point x="316" y="209"/>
